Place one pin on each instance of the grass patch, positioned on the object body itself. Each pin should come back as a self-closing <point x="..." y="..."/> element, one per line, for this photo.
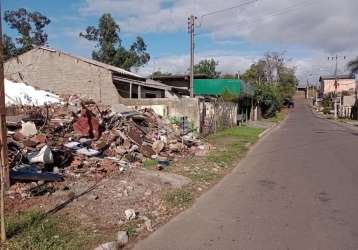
<point x="231" y="144"/>
<point x="178" y="198"/>
<point x="131" y="228"/>
<point x="150" y="164"/>
<point x="242" y="133"/>
<point x="33" y="230"/>
<point x="279" y="117"/>
<point x="203" y="175"/>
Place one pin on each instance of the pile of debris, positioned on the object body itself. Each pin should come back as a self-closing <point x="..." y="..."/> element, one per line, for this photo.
<point x="78" y="138"/>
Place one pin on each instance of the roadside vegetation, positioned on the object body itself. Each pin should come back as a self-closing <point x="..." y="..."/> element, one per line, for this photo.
<point x="274" y="81"/>
<point x="228" y="147"/>
<point x="279" y="116"/>
<point x="35" y="230"/>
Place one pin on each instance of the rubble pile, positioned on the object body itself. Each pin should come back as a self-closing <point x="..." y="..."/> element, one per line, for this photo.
<point x="78" y="138"/>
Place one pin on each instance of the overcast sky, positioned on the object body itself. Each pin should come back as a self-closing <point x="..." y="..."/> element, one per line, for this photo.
<point x="308" y="31"/>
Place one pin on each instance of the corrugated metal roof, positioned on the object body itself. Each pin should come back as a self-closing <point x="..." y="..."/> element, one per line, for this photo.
<point x="96" y="63"/>
<point x="332" y="77"/>
<point x="216" y="87"/>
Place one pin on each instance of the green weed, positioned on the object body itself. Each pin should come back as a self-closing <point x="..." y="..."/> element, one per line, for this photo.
<point x="34" y="231"/>
<point x="149" y="164"/>
<point x="178" y="198"/>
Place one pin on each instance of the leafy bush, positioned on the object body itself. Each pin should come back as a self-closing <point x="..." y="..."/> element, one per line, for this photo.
<point x="326" y="110"/>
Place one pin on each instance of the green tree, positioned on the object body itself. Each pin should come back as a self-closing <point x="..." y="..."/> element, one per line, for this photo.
<point x="109" y="47"/>
<point x="10" y="49"/>
<point x="229" y="76"/>
<point x="30" y="26"/>
<point x="160" y="73"/>
<point x="274" y="82"/>
<point x="256" y="73"/>
<point x="353" y="66"/>
<point x="207" y="67"/>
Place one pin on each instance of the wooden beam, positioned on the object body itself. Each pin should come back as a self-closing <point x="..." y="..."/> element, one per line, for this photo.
<point x="4" y="175"/>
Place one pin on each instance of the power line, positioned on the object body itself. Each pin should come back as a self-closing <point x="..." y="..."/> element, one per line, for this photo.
<point x="290" y="8"/>
<point x="226" y="9"/>
<point x="283" y="11"/>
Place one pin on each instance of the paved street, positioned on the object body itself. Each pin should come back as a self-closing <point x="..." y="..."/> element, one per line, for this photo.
<point x="296" y="189"/>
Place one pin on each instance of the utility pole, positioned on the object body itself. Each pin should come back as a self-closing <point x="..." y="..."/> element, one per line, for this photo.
<point x="4" y="171"/>
<point x="336" y="58"/>
<point x="307" y="90"/>
<point x="191" y="31"/>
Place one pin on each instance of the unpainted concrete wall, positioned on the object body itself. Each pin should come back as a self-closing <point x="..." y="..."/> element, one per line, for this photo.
<point x="218" y="116"/>
<point x="188" y="107"/>
<point x="63" y="74"/>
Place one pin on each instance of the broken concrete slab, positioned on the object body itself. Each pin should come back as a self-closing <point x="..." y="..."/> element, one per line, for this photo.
<point x="113" y="245"/>
<point x="158" y="146"/>
<point x="122" y="238"/>
<point x="169" y="179"/>
<point x="121" y="108"/>
<point x="28" y="129"/>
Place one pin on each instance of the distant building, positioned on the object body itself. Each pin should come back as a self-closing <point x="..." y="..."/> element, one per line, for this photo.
<point x="62" y="73"/>
<point x="180" y="84"/>
<point x="344" y="83"/>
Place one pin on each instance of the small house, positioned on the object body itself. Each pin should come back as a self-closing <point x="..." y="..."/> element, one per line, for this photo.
<point x="66" y="74"/>
<point x="338" y="84"/>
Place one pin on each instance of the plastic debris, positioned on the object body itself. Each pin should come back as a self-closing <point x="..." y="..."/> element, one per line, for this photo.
<point x="45" y="156"/>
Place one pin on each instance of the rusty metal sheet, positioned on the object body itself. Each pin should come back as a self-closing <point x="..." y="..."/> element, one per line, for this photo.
<point x="147" y="151"/>
<point x="135" y="135"/>
<point x="87" y="125"/>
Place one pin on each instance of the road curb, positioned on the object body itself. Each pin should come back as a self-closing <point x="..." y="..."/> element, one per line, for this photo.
<point x="272" y="128"/>
<point x="267" y="131"/>
<point x="338" y="123"/>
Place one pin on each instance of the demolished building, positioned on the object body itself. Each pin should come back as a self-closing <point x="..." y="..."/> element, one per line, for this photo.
<point x="63" y="73"/>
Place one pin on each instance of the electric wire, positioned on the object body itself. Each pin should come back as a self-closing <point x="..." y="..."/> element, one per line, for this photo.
<point x="262" y="18"/>
<point x="224" y="10"/>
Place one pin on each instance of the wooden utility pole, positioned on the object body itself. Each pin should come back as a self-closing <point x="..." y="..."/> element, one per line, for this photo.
<point x="4" y="171"/>
<point x="191" y="30"/>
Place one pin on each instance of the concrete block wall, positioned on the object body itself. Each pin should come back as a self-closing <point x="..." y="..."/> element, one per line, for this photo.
<point x="63" y="74"/>
<point x="170" y="107"/>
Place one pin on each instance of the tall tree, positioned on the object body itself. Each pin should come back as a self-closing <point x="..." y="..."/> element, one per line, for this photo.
<point x="109" y="47"/>
<point x="159" y="73"/>
<point x="9" y="48"/>
<point x="229" y="76"/>
<point x="30" y="26"/>
<point x="353" y="66"/>
<point x="274" y="81"/>
<point x="207" y="67"/>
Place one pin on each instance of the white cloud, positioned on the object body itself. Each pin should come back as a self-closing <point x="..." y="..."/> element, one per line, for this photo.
<point x="179" y="64"/>
<point x="326" y="25"/>
<point x="318" y="27"/>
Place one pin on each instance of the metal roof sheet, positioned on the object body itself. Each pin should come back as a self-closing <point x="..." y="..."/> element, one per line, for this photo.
<point x="216" y="87"/>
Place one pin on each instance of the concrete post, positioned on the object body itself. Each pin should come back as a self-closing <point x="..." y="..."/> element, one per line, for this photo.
<point x="139" y="92"/>
<point x="130" y="90"/>
<point x="255" y="113"/>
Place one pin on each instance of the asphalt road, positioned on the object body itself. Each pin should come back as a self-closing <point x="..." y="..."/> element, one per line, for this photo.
<point x="296" y="189"/>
